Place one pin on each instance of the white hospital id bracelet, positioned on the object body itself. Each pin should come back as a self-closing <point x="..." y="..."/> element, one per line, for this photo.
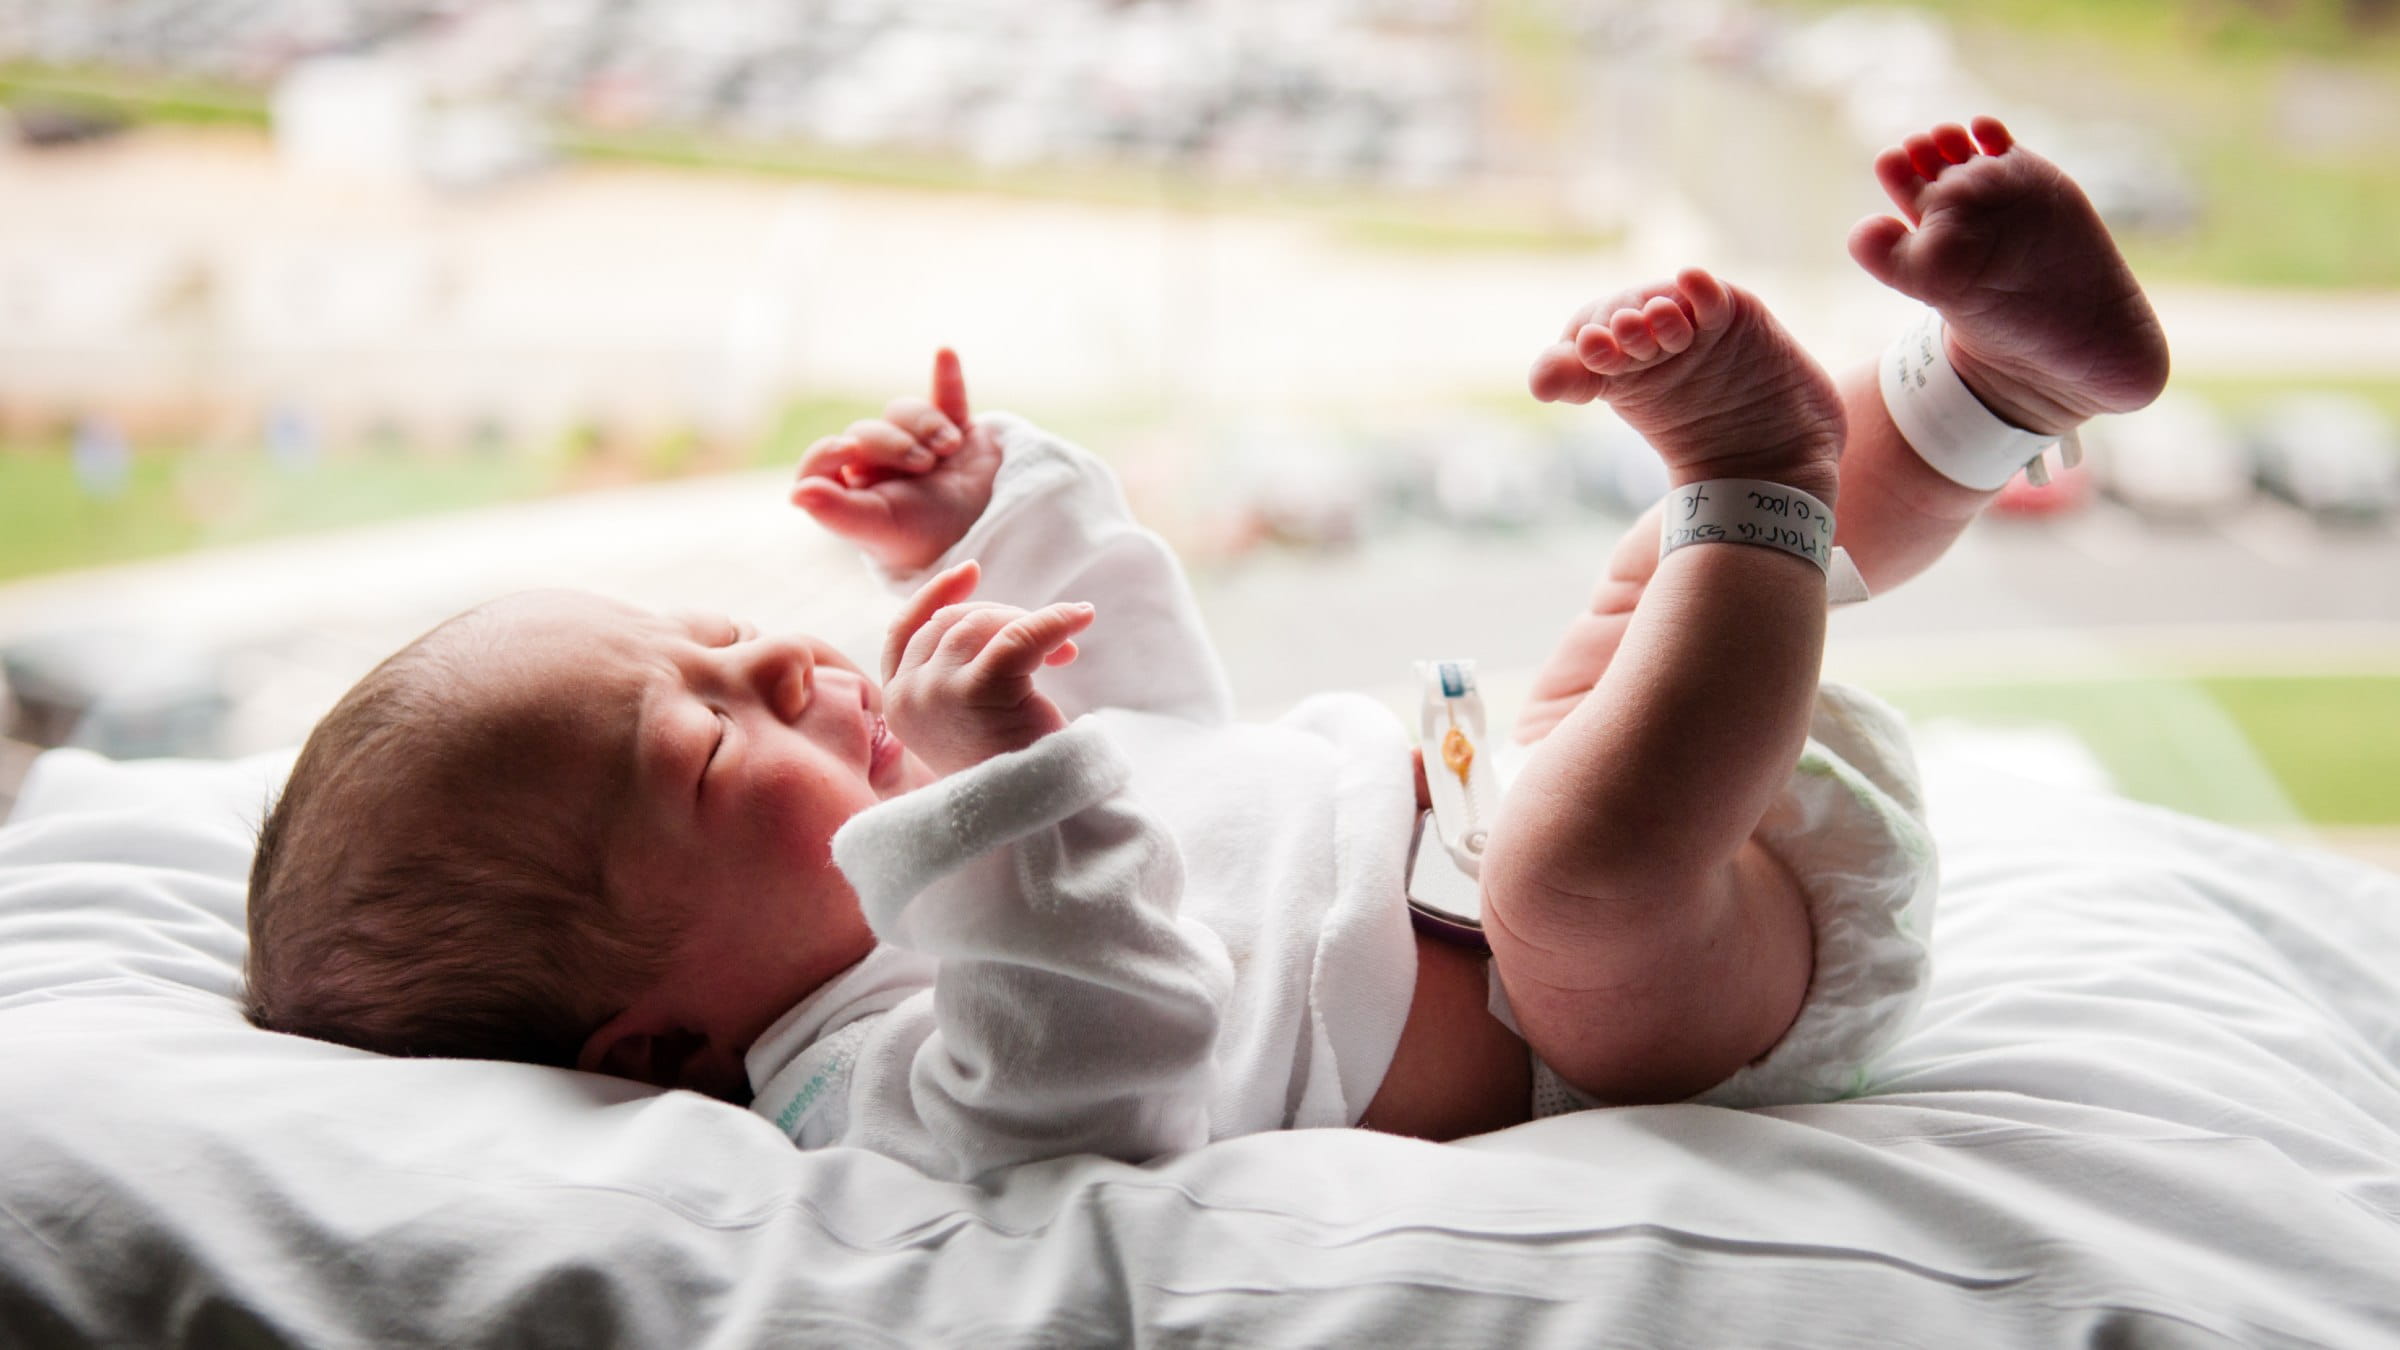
<point x="1767" y="514"/>
<point x="1943" y="421"/>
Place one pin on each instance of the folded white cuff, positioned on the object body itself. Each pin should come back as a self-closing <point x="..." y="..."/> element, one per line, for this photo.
<point x="895" y="849"/>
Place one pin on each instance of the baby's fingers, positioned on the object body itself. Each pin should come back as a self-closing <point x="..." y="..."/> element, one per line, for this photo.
<point x="1559" y="376"/>
<point x="950" y="388"/>
<point x="853" y="513"/>
<point x="1032" y="641"/>
<point x="867" y="453"/>
<point x="944" y="590"/>
<point x="884" y="447"/>
<point x="930" y="426"/>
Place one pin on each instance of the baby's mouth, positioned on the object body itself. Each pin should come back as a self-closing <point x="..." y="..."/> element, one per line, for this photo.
<point x="882" y="745"/>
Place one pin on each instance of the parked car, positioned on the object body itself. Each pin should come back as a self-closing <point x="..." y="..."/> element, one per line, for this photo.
<point x="1296" y="484"/>
<point x="41" y="125"/>
<point x="1609" y="466"/>
<point x="2178" y="459"/>
<point x="2068" y="491"/>
<point x="2333" y="455"/>
<point x="1491" y="473"/>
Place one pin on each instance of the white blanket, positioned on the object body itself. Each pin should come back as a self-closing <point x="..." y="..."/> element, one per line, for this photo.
<point x="2154" y="1098"/>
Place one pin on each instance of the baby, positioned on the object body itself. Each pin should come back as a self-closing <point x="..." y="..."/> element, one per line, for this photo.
<point x="1034" y="893"/>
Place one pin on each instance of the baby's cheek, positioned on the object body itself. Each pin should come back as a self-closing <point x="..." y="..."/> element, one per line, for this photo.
<point x="799" y="806"/>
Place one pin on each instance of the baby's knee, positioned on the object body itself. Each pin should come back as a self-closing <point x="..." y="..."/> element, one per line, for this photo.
<point x="1660" y="1000"/>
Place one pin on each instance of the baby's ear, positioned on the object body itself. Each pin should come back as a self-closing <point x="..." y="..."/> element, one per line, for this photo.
<point x="628" y="1047"/>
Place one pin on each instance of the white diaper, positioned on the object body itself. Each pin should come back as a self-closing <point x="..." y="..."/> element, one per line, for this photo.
<point x="1851" y="826"/>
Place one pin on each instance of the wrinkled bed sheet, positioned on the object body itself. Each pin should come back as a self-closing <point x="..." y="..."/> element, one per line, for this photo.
<point x="2154" y="1099"/>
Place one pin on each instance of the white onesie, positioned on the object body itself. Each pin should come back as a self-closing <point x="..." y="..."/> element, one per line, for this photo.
<point x="1160" y="927"/>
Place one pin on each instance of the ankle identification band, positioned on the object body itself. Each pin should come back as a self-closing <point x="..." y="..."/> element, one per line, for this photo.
<point x="1950" y="428"/>
<point x="1767" y="514"/>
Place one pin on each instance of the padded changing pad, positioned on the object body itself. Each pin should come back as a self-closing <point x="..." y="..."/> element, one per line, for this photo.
<point x="2153" y="1098"/>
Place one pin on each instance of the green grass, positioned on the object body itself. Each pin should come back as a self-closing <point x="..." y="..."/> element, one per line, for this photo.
<point x="173" y="502"/>
<point x="2333" y="741"/>
<point x="2253" y="750"/>
<point x="2227" y="29"/>
<point x="175" y="499"/>
<point x="157" y="98"/>
<point x="2274" y="214"/>
<point x="2213" y="79"/>
<point x="2239" y="396"/>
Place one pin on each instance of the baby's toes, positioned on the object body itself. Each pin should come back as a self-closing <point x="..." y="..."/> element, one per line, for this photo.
<point x="1559" y="376"/>
<point x="1951" y="143"/>
<point x="1925" y="155"/>
<point x="1668" y="324"/>
<point x="1901" y="182"/>
<point x="1597" y="348"/>
<point x="1705" y="299"/>
<point x="1632" y="333"/>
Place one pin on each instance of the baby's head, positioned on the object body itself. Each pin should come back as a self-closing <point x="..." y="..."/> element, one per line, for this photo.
<point x="565" y="831"/>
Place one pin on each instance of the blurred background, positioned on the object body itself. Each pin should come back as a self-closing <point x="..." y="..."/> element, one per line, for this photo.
<point x="323" y="319"/>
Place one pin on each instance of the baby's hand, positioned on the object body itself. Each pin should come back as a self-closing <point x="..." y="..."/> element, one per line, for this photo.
<point x="904" y="489"/>
<point x="958" y="676"/>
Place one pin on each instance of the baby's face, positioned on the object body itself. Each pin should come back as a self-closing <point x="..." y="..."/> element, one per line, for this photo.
<point x="745" y="753"/>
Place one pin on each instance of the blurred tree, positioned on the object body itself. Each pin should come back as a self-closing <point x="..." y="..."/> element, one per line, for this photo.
<point x="2372" y="15"/>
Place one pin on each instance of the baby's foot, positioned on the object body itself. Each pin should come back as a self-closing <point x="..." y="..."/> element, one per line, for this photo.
<point x="1708" y="377"/>
<point x="2047" y="324"/>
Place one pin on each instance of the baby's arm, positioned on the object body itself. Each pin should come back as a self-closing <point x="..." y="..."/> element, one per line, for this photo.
<point x="1073" y="1011"/>
<point x="1046" y="520"/>
<point x="1058" y="528"/>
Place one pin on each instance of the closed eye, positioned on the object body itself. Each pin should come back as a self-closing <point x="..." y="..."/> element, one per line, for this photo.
<point x="724" y="724"/>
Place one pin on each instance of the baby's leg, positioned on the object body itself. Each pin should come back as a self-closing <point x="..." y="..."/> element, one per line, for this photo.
<point x="1648" y="946"/>
<point x="2046" y="324"/>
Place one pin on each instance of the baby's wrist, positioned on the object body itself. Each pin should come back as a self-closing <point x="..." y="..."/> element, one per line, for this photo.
<point x="965" y="748"/>
<point x="1816" y="473"/>
<point x="909" y="558"/>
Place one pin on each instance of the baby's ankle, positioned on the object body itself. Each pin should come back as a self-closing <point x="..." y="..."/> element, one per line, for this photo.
<point x="1812" y="465"/>
<point x="2013" y="401"/>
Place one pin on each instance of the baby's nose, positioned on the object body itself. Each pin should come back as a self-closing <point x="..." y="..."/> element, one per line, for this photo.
<point x="780" y="670"/>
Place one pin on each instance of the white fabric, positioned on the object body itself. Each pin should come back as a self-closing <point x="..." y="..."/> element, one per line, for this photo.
<point x="2153" y="1098"/>
<point x="1067" y="1009"/>
<point x="1100" y="900"/>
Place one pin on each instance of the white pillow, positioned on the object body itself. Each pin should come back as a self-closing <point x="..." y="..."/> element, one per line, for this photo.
<point x="2155" y="1097"/>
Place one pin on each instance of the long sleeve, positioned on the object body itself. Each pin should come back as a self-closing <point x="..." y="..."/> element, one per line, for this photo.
<point x="1058" y="528"/>
<point x="1071" y="1009"/>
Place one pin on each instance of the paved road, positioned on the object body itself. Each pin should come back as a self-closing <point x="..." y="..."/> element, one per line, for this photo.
<point x="2098" y="593"/>
<point x="303" y="616"/>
